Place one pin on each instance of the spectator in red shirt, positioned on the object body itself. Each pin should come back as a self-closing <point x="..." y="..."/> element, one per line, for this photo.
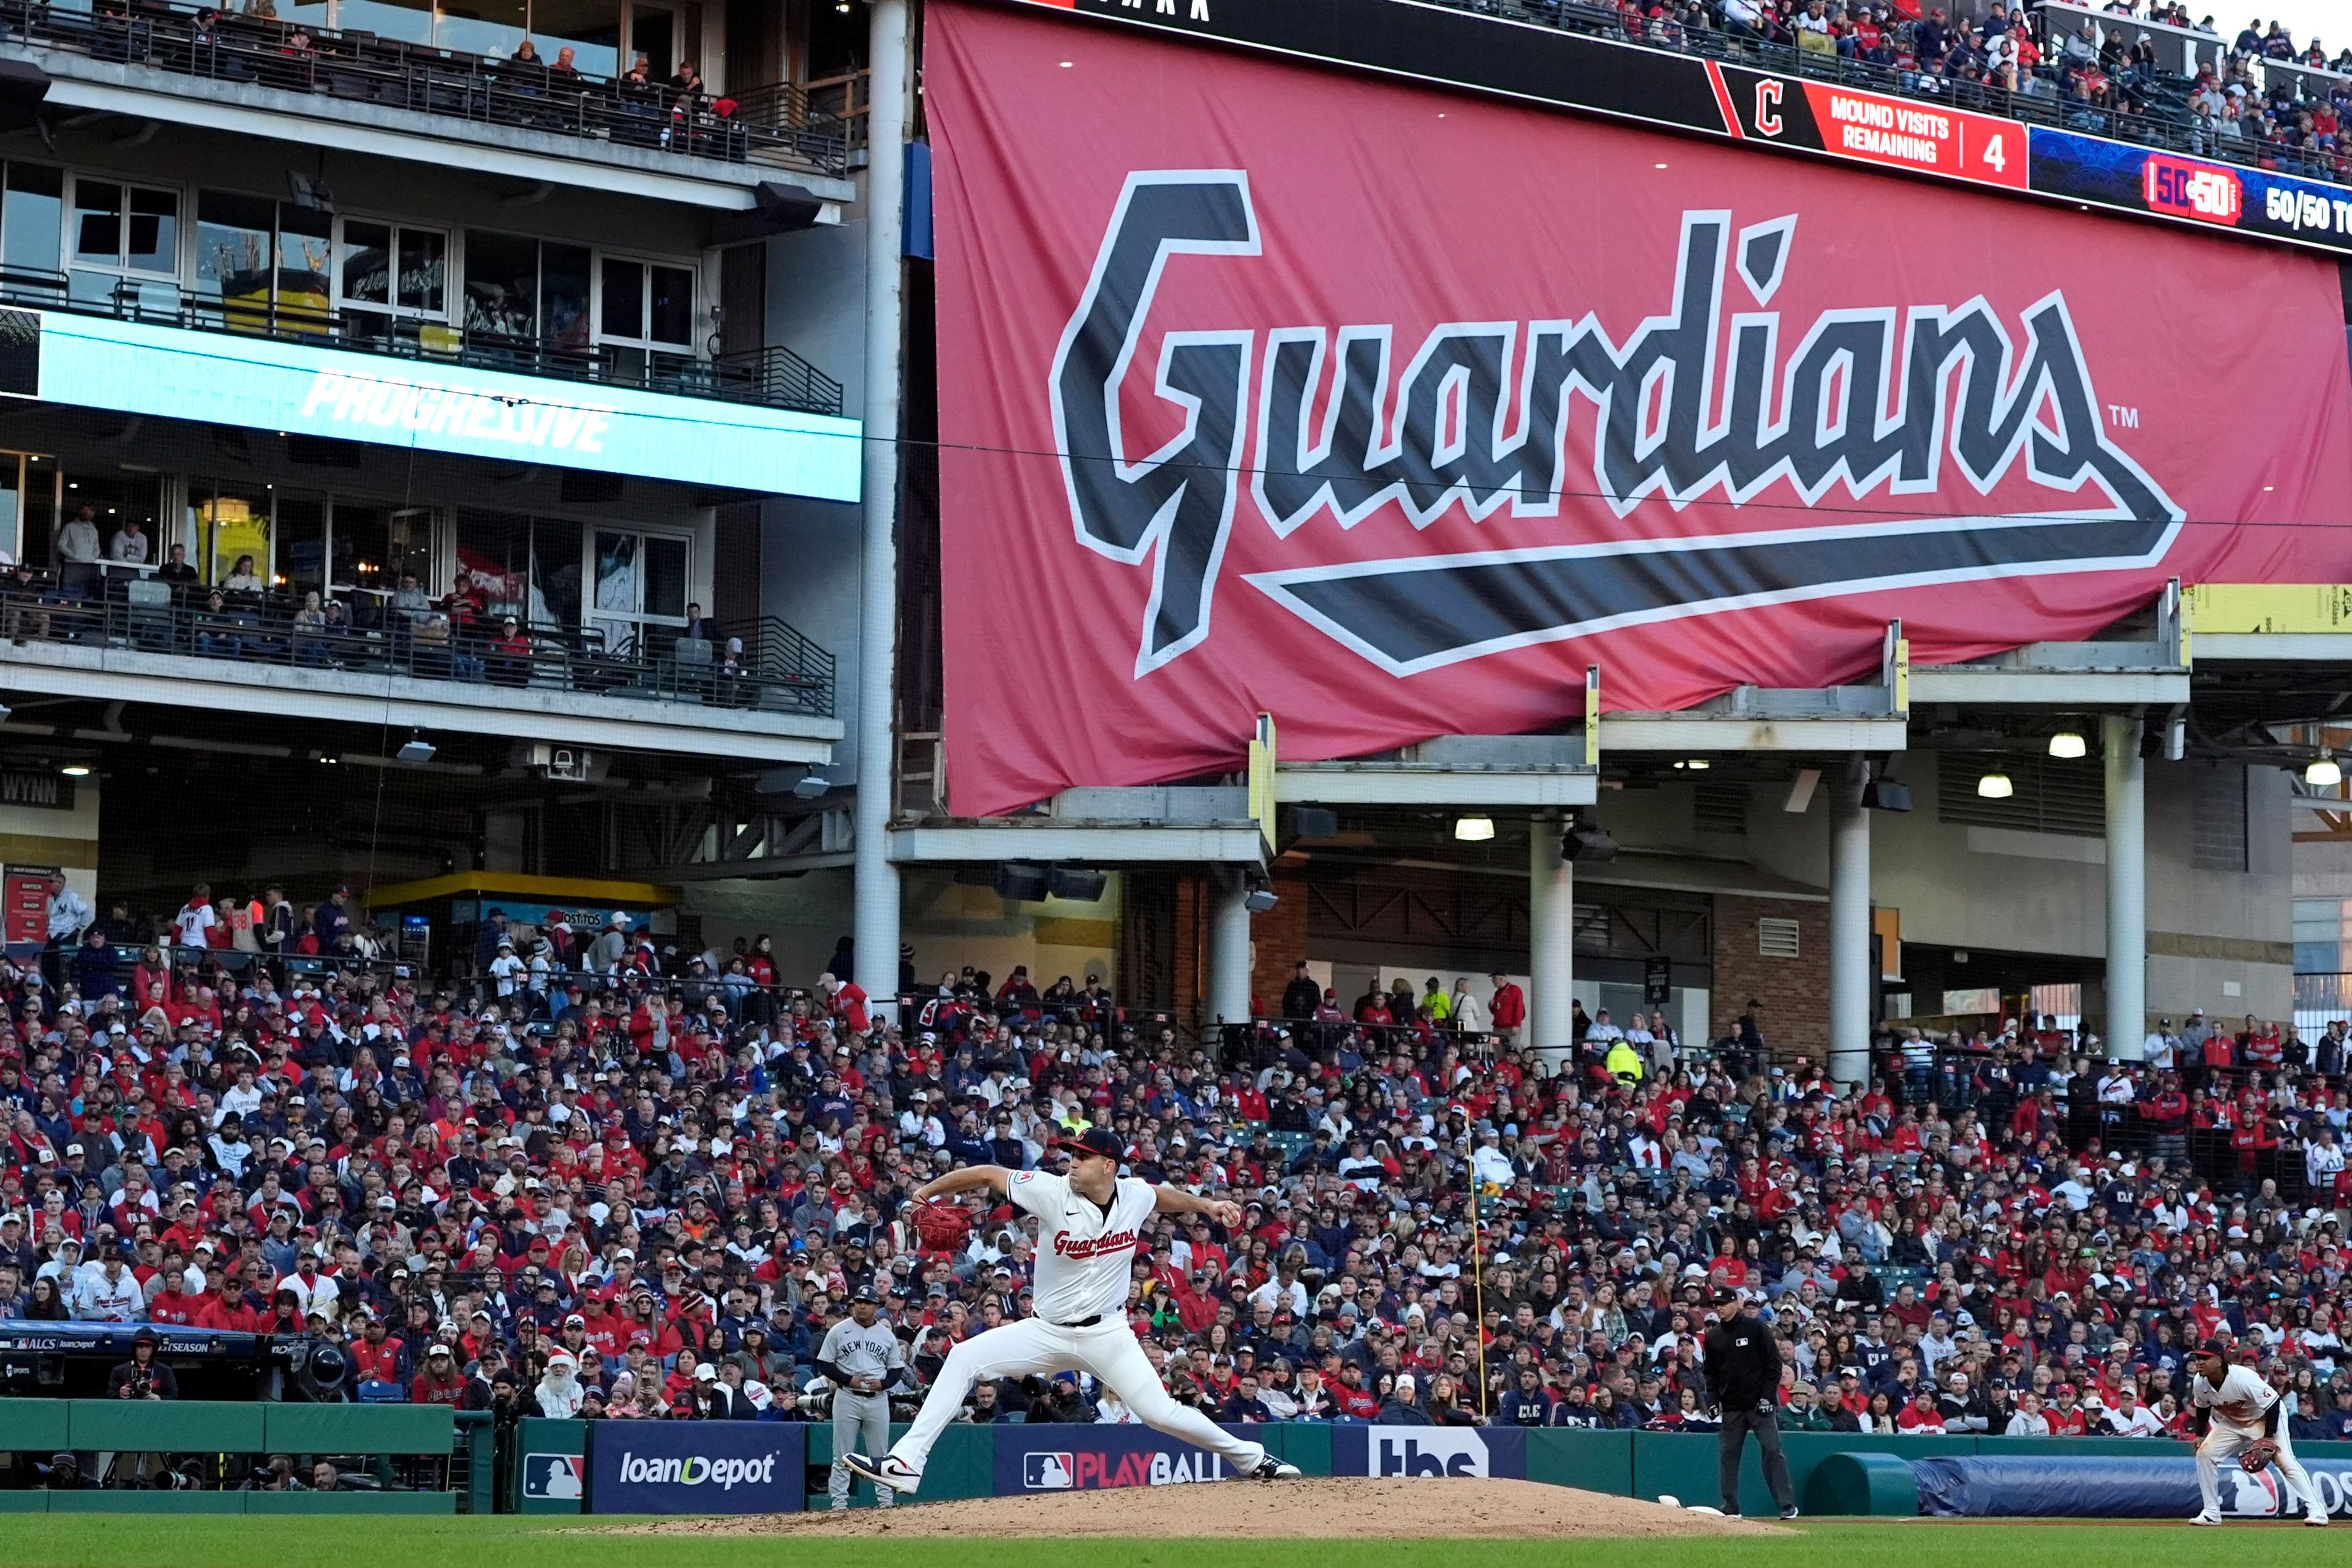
<point x="440" y="1383"/>
<point x="1509" y="1007"/>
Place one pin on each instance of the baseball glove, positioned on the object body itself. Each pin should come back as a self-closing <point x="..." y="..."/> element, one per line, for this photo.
<point x="2258" y="1455"/>
<point x="942" y="1226"/>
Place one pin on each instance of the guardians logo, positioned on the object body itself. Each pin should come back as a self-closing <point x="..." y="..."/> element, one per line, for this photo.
<point x="1866" y="399"/>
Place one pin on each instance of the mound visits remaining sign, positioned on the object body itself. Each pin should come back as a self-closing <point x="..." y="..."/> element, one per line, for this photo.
<point x="1387" y="411"/>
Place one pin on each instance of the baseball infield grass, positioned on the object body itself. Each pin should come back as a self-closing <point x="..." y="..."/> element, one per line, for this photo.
<point x="38" y="1541"/>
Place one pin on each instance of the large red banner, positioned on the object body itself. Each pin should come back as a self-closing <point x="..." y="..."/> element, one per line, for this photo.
<point x="1269" y="388"/>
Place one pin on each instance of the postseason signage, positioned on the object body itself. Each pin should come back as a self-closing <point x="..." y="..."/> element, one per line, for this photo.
<point x="1449" y="45"/>
<point x="1056" y="1458"/>
<point x="1387" y="411"/>
<point x="259" y="383"/>
<point x="1430" y="1452"/>
<point x="696" y="1467"/>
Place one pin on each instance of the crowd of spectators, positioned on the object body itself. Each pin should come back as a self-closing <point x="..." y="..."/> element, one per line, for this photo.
<point x="2105" y="77"/>
<point x="630" y="1192"/>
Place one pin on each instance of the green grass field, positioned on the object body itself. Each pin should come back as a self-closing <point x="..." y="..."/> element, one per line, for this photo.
<point x="116" y="1541"/>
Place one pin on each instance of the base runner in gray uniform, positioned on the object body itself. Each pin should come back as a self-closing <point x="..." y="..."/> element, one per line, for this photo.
<point x="862" y="1358"/>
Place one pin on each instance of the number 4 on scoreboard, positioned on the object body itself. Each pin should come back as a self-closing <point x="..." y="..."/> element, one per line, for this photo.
<point x="1993" y="151"/>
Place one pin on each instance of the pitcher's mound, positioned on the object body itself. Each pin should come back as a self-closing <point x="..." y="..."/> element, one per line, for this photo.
<point x="1337" y="1508"/>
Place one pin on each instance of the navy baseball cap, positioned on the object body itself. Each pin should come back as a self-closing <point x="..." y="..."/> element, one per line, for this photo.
<point x="1094" y="1141"/>
<point x="2213" y="1345"/>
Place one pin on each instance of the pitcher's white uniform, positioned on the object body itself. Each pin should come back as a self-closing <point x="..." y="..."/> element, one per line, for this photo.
<point x="1086" y="1258"/>
<point x="2241" y="1408"/>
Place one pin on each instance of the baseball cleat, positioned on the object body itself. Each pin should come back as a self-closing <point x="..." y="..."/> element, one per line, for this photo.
<point x="2201" y="1519"/>
<point x="887" y="1471"/>
<point x="1790" y="1511"/>
<point x="2313" y="1516"/>
<point x="1268" y="1469"/>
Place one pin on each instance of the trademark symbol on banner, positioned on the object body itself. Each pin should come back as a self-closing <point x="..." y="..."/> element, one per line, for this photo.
<point x="2122" y="418"/>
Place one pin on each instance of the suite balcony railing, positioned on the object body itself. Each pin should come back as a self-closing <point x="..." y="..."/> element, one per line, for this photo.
<point x="364" y="68"/>
<point x="778" y="669"/>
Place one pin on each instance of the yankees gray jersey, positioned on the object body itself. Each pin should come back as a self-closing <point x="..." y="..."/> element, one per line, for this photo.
<point x="861" y="1352"/>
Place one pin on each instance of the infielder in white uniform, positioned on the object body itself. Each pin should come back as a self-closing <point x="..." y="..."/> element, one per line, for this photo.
<point x="862" y="1356"/>
<point x="1087" y="1224"/>
<point x="2234" y="1410"/>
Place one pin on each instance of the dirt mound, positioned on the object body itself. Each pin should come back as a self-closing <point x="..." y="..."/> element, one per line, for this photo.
<point x="1335" y="1508"/>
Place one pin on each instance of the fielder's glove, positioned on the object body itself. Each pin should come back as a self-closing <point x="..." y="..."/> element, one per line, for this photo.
<point x="2258" y="1455"/>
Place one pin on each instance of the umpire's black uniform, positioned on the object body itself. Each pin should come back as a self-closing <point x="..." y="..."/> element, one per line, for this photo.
<point x="1743" y="1373"/>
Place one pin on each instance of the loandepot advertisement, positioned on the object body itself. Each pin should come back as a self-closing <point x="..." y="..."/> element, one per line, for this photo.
<point x="696" y="1467"/>
<point x="172" y="372"/>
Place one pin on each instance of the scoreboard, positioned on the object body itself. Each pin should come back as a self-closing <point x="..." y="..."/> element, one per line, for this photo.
<point x="1442" y="46"/>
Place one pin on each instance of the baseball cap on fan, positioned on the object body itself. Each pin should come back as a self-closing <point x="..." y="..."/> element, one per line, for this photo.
<point x="1093" y="1140"/>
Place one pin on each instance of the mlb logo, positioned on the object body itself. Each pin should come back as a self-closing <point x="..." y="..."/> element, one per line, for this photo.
<point x="553" y="1477"/>
<point x="1047" y="1472"/>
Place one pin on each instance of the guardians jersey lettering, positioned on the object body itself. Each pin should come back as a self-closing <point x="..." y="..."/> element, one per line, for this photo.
<point x="1086" y="1250"/>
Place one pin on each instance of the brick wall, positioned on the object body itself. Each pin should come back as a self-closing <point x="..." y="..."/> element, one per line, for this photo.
<point x="1277" y="943"/>
<point x="1795" y="991"/>
<point x="1191" y="957"/>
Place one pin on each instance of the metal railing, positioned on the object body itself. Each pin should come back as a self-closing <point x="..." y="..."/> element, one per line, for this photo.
<point x="363" y="68"/>
<point x="773" y="377"/>
<point x="780" y="670"/>
<point x="776" y="377"/>
<point x="2321" y="1000"/>
<point x="778" y="656"/>
<point x="2044" y="102"/>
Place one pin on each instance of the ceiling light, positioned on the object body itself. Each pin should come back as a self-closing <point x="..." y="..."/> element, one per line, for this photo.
<point x="1697" y="764"/>
<point x="81" y="770"/>
<point x="2322" y="773"/>
<point x="1995" y="786"/>
<point x="1474" y="829"/>
<point x="418" y="750"/>
<point x="2068" y="744"/>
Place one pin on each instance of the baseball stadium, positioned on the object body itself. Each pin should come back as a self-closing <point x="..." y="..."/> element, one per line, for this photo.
<point x="1270" y="782"/>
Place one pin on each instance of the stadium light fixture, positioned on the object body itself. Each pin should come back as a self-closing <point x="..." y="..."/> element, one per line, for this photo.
<point x="1474" y="829"/>
<point x="1995" y="786"/>
<point x="418" y="751"/>
<point x="76" y="770"/>
<point x="2322" y="772"/>
<point x="2068" y="744"/>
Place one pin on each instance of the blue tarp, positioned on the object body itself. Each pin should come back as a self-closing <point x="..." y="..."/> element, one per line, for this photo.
<point x="2047" y="1486"/>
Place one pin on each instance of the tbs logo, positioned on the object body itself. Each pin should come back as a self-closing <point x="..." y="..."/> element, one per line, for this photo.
<point x="1463" y="1454"/>
<point x="1047" y="1472"/>
<point x="2191" y="190"/>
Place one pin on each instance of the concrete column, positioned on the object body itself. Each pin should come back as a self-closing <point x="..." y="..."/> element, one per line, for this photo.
<point x="2125" y="1031"/>
<point x="876" y="879"/>
<point x="1849" y="978"/>
<point x="1229" y="947"/>
<point x="1552" y="944"/>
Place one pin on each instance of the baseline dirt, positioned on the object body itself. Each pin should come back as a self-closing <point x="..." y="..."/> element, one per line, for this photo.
<point x="1338" y="1508"/>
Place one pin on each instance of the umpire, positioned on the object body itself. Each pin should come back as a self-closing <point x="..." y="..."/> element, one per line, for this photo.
<point x="1743" y="1373"/>
<point x="862" y="1357"/>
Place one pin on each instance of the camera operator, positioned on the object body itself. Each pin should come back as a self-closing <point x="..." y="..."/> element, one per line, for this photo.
<point x="143" y="1377"/>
